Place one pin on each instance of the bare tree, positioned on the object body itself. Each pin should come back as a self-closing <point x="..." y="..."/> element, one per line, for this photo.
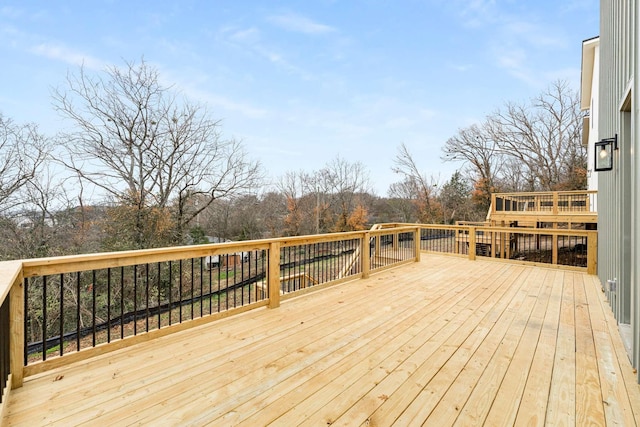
<point x="424" y="189"/>
<point x="401" y="201"/>
<point x="23" y="152"/>
<point x="345" y="184"/>
<point x="545" y="136"/>
<point x="327" y="200"/>
<point x="146" y="148"/>
<point x="299" y="215"/>
<point x="524" y="147"/>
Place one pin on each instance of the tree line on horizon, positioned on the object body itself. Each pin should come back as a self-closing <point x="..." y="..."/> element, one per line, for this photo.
<point x="142" y="167"/>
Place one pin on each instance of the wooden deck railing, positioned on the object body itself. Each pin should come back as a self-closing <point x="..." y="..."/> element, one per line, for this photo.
<point x="566" y="248"/>
<point x="65" y="309"/>
<point x="54" y="311"/>
<point x="580" y="204"/>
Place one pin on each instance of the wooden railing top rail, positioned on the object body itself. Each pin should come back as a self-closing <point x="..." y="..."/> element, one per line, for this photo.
<point x="70" y="263"/>
<point x="545" y="231"/>
<point x="546" y="193"/>
<point x="9" y="272"/>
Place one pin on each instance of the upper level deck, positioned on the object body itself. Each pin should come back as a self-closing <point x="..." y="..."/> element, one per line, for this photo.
<point x="549" y="206"/>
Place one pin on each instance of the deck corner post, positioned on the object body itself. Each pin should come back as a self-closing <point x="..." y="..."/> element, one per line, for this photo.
<point x="554" y="248"/>
<point x="365" y="254"/>
<point x="274" y="274"/>
<point x="592" y="252"/>
<point x="416" y="239"/>
<point x="16" y="327"/>
<point x="472" y="243"/>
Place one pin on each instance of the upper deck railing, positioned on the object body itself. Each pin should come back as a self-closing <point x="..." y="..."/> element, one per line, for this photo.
<point x="582" y="205"/>
<point x="55" y="311"/>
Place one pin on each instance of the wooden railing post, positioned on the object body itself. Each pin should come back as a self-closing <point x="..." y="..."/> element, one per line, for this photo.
<point x="472" y="243"/>
<point x="16" y="327"/>
<point x="494" y="243"/>
<point x="554" y="244"/>
<point x="274" y="275"/>
<point x="416" y="240"/>
<point x="592" y="252"/>
<point x="365" y="254"/>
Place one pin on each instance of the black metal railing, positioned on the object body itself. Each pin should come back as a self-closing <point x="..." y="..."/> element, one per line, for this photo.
<point x="438" y="240"/>
<point x="555" y="249"/>
<point x="391" y="248"/>
<point x="567" y="247"/>
<point x="5" y="358"/>
<point x="563" y="202"/>
<point x="72" y="311"/>
<point x="308" y="265"/>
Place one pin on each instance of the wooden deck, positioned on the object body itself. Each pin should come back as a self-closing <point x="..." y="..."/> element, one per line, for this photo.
<point x="446" y="341"/>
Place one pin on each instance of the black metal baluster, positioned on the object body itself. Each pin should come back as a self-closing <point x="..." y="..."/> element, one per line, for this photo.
<point x="108" y="304"/>
<point x="226" y="268"/>
<point x="211" y="286"/>
<point x="191" y="296"/>
<point x="5" y="333"/>
<point x="242" y="277"/>
<point x="26" y="314"/>
<point x="44" y="317"/>
<point x="170" y="293"/>
<point x="180" y="291"/>
<point x="201" y="285"/>
<point x="159" y="295"/>
<point x="235" y="281"/>
<point x="146" y="297"/>
<point x="135" y="299"/>
<point x="93" y="309"/>
<point x="61" y="344"/>
<point x="219" y="280"/>
<point x="121" y="302"/>
<point x="79" y="301"/>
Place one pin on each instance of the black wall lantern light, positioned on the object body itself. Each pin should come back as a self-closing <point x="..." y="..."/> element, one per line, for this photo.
<point x="604" y="153"/>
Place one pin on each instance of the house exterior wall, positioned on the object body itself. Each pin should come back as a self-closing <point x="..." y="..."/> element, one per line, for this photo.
<point x="589" y="102"/>
<point x="619" y="189"/>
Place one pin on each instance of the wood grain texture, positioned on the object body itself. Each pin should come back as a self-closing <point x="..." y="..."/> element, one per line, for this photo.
<point x="445" y="341"/>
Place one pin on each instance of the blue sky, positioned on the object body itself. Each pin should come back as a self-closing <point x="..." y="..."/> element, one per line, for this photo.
<point x="302" y="82"/>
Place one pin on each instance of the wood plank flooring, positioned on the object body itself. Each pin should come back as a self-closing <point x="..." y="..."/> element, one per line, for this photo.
<point x="442" y="342"/>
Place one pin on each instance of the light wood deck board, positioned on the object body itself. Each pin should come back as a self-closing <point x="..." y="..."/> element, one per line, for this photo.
<point x="446" y="341"/>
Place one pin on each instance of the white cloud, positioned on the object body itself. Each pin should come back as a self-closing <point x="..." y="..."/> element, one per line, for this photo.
<point x="10" y="12"/>
<point x="65" y="54"/>
<point x="218" y="103"/>
<point x="300" y="24"/>
<point x="477" y="13"/>
<point x="248" y="35"/>
<point x="517" y="63"/>
<point x="460" y="67"/>
<point x="533" y="35"/>
<point x="250" y="40"/>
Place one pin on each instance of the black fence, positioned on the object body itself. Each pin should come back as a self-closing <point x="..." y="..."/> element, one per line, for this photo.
<point x="5" y="357"/>
<point x="308" y="265"/>
<point x="73" y="311"/>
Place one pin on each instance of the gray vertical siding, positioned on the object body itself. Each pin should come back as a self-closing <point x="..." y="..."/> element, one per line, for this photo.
<point x="618" y="201"/>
